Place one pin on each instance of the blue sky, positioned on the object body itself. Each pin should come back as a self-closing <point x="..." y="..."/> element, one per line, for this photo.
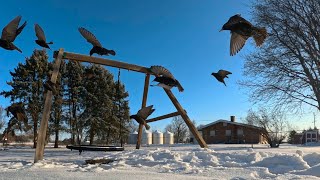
<point x="181" y="35"/>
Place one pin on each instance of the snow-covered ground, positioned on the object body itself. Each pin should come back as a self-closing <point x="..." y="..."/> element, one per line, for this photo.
<point x="219" y="161"/>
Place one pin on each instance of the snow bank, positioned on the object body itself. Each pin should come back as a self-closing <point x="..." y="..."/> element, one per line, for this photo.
<point x="312" y="159"/>
<point x="180" y="162"/>
<point x="280" y="164"/>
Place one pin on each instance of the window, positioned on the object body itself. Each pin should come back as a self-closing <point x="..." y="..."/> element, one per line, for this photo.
<point x="240" y="132"/>
<point x="212" y="133"/>
<point x="228" y="132"/>
<point x="224" y="124"/>
<point x="311" y="137"/>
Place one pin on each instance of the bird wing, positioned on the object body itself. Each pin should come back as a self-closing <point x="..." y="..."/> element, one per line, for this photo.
<point x="237" y="42"/>
<point x="9" y="32"/>
<point x="19" y="30"/>
<point x="235" y="20"/>
<point x="39" y="32"/>
<point x="145" y="112"/>
<point x="159" y="70"/>
<point x="89" y="37"/>
<point x="223" y="73"/>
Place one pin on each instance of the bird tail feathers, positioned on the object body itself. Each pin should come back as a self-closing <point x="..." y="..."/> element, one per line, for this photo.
<point x="260" y="35"/>
<point x="224" y="83"/>
<point x="147" y="126"/>
<point x="180" y="88"/>
<point x="112" y="52"/>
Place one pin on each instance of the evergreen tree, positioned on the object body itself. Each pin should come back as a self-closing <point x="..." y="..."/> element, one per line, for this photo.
<point x="56" y="120"/>
<point x="291" y="136"/>
<point x="73" y="80"/>
<point x="97" y="101"/>
<point x="27" y="86"/>
<point x="122" y="109"/>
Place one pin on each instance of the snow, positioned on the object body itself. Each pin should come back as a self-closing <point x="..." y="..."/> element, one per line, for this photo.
<point x="178" y="161"/>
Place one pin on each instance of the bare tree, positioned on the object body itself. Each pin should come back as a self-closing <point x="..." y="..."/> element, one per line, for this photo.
<point x="179" y="129"/>
<point x="272" y="124"/>
<point x="286" y="70"/>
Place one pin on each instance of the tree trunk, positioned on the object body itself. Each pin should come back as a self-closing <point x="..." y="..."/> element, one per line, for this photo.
<point x="35" y="130"/>
<point x="56" y="141"/>
<point x="91" y="135"/>
<point x="108" y="136"/>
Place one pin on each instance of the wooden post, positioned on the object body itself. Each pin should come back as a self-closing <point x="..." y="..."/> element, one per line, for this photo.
<point x="46" y="111"/>
<point x="186" y="119"/>
<point x="144" y="104"/>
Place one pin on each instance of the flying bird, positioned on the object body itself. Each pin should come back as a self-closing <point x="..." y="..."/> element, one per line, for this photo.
<point x="97" y="47"/>
<point x="220" y="75"/>
<point x="142" y="115"/>
<point x="10" y="32"/>
<point x="241" y="30"/>
<point x="165" y="78"/>
<point x="41" y="41"/>
<point x="17" y="110"/>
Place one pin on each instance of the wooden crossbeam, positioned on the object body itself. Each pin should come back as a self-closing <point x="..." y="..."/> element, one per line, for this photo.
<point x="163" y="117"/>
<point x="103" y="61"/>
<point x="46" y="111"/>
<point x="186" y="119"/>
<point x="144" y="104"/>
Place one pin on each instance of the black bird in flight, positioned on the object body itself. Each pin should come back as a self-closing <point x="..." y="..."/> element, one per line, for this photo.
<point x="97" y="47"/>
<point x="142" y="115"/>
<point x="17" y="110"/>
<point x="241" y="30"/>
<point x="165" y="78"/>
<point x="10" y="32"/>
<point x="220" y="75"/>
<point x="41" y="41"/>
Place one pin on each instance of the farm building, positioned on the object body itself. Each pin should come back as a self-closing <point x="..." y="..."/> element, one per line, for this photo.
<point x="224" y="131"/>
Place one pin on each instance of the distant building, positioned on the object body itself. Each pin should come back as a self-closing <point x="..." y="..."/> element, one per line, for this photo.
<point x="224" y="131"/>
<point x="307" y="136"/>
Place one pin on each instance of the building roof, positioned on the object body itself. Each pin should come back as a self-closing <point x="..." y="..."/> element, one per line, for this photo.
<point x="229" y="122"/>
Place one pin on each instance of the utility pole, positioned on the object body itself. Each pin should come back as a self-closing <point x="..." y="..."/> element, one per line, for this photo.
<point x="314" y="120"/>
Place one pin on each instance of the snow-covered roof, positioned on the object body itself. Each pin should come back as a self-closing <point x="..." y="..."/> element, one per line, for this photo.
<point x="229" y="122"/>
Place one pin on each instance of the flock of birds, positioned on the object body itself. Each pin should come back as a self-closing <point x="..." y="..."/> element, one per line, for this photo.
<point x="240" y="30"/>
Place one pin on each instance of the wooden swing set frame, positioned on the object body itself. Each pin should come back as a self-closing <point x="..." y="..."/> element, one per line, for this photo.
<point x="59" y="55"/>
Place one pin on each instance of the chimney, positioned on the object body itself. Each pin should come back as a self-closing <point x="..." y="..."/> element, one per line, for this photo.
<point x="233" y="118"/>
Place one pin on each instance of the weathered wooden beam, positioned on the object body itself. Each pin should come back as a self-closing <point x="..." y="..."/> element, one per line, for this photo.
<point x="186" y="119"/>
<point x="144" y="104"/>
<point x="103" y="61"/>
<point x="163" y="117"/>
<point x="46" y="111"/>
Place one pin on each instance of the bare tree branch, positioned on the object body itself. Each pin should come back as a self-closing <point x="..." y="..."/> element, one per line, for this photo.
<point x="286" y="70"/>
